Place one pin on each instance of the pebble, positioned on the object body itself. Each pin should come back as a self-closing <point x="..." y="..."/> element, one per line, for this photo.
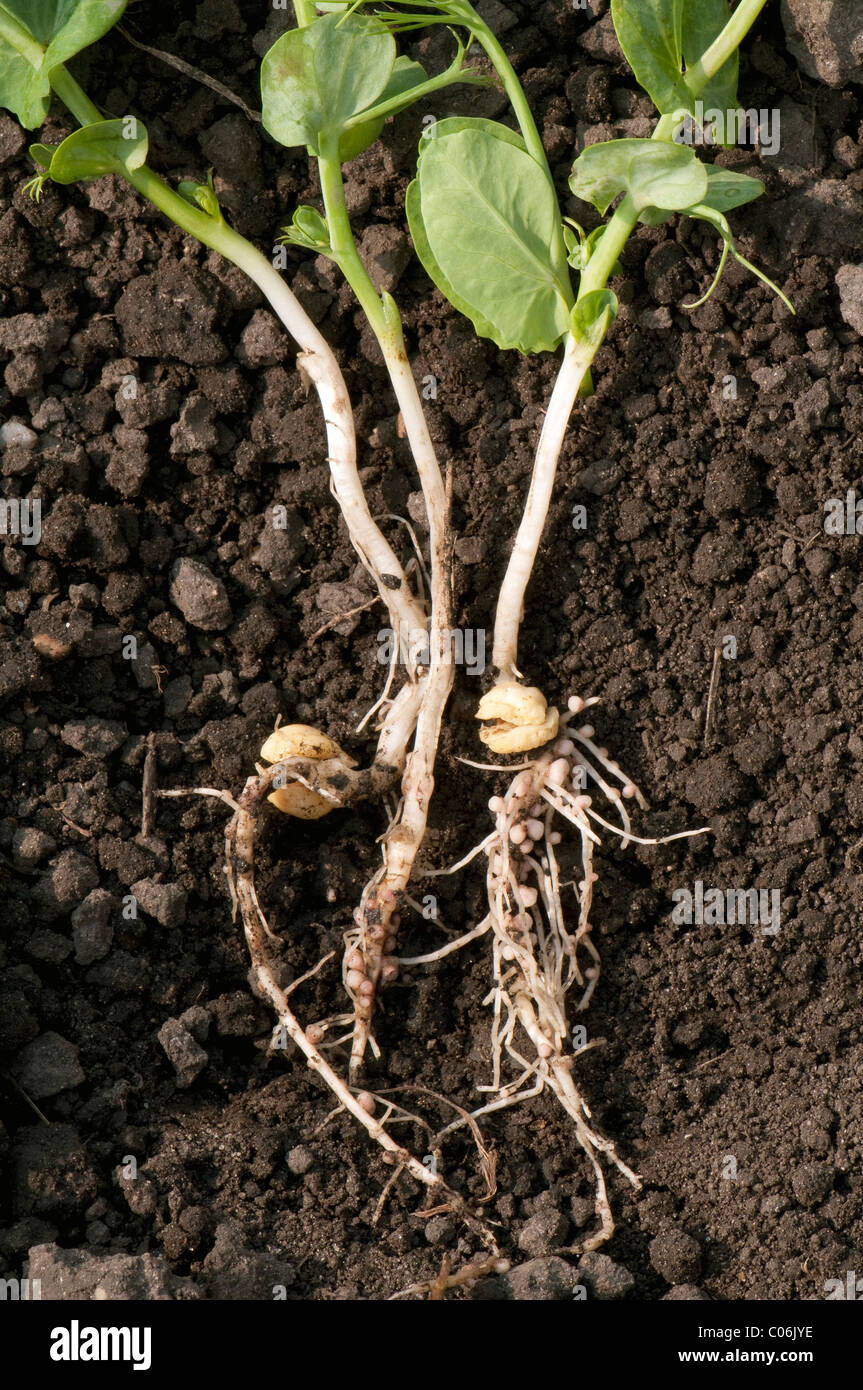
<point x="47" y="1066"/>
<point x="676" y="1255"/>
<point x="164" y="901"/>
<point x="186" y="1056"/>
<point x="200" y="596"/>
<point x="14" y="432"/>
<point x="95" y="737"/>
<point x="605" y="1278"/>
<point x="543" y="1233"/>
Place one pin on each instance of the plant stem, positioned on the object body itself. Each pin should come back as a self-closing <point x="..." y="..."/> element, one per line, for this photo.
<point x="724" y="46"/>
<point x="405" y="835"/>
<point x="595" y="277"/>
<point x="17" y="37"/>
<point x="510" y="606"/>
<point x="317" y="360"/>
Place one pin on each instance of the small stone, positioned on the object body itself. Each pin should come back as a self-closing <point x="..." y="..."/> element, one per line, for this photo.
<point x="31" y="845"/>
<point x="47" y="1066"/>
<point x="826" y="38"/>
<point x="14" y="432"/>
<point x="540" y="1280"/>
<point x="385" y="253"/>
<point x="141" y="1195"/>
<point x="440" y="1230"/>
<point x="605" y="1278"/>
<point x="543" y="1233"/>
<point x="72" y="877"/>
<point x="196" y="1021"/>
<point x="164" y="901"/>
<point x="186" y="1056"/>
<point x="685" y="1293"/>
<point x="200" y="596"/>
<point x="676" y="1255"/>
<point x="95" y="737"/>
<point x="300" y="1159"/>
<point x="263" y="342"/>
<point x="812" y="1183"/>
<point x="92" y="929"/>
<point x="849" y="282"/>
<point x="78" y="1275"/>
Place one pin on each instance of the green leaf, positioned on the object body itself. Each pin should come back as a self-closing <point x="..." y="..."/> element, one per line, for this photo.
<point x="405" y="75"/>
<point x="201" y="195"/>
<point x="482" y="215"/>
<point x="661" y="37"/>
<point x="23" y="91"/>
<point x="656" y="173"/>
<point x="309" y="229"/>
<point x="61" y="28"/>
<point x="727" y="190"/>
<point x="650" y="32"/>
<point x="106" y="147"/>
<point x="315" y="79"/>
<point x="451" y="125"/>
<point x="592" y="317"/>
<point x="64" y="27"/>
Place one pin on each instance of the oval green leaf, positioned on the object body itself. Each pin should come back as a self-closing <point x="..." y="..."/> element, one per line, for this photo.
<point x="727" y="190"/>
<point x="482" y="216"/>
<point x="656" y="173"/>
<point x="405" y="75"/>
<point x="106" y="147"/>
<point x="314" y="79"/>
<point x="592" y="317"/>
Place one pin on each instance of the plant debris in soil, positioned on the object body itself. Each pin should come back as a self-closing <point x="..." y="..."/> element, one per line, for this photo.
<point x="155" y="1146"/>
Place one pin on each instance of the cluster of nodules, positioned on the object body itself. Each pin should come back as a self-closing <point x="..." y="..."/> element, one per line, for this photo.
<point x="381" y="936"/>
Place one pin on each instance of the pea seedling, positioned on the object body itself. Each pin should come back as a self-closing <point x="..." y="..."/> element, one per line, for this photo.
<point x="485" y="220"/>
<point x="310" y="774"/>
<point x="330" y="84"/>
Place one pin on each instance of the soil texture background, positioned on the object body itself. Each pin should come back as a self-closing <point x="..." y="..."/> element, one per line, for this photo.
<point x="181" y="1158"/>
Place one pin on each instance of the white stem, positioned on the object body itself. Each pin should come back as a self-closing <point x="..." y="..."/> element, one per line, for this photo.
<point x="418" y="783"/>
<point x="319" y="363"/>
<point x="510" y="605"/>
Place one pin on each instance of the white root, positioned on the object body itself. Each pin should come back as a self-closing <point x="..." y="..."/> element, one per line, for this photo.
<point x="240" y="859"/>
<point x="378" y="912"/>
<point x="535" y="958"/>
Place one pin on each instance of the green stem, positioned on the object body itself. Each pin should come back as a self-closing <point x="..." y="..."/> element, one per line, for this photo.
<point x="723" y="47"/>
<point x="17" y="37"/>
<point x="342" y="244"/>
<point x="529" y="133"/>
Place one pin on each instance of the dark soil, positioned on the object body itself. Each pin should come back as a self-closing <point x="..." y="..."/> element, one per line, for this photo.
<point x="729" y="1074"/>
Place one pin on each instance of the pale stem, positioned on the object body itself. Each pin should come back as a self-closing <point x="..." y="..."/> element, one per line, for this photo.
<point x="318" y="361"/>
<point x="510" y="605"/>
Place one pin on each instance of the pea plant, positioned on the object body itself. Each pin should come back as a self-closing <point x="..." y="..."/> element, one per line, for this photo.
<point x="330" y="84"/>
<point x="486" y="223"/>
